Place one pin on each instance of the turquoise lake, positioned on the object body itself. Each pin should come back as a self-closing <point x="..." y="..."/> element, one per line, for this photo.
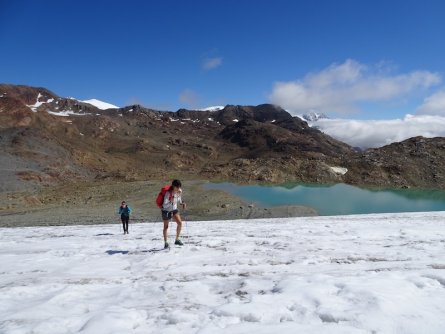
<point x="338" y="199"/>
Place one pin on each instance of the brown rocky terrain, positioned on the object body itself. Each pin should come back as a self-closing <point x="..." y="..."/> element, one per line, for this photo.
<point x="415" y="162"/>
<point x="136" y="143"/>
<point x="48" y="141"/>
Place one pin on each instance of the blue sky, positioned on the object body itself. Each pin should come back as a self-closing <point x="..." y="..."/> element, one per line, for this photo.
<point x="172" y="54"/>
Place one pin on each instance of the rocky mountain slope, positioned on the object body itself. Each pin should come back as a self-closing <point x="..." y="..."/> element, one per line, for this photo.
<point x="47" y="139"/>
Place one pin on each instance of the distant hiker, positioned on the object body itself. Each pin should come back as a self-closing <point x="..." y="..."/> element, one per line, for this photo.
<point x="168" y="200"/>
<point x="124" y="211"/>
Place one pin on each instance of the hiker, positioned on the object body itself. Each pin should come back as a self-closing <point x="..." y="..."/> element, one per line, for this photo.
<point x="124" y="211"/>
<point x="170" y="209"/>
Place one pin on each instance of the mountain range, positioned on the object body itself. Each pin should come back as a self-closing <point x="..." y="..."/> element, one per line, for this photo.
<point x="47" y="139"/>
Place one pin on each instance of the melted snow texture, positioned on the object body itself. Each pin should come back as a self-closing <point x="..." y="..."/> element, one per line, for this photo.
<point x="350" y="274"/>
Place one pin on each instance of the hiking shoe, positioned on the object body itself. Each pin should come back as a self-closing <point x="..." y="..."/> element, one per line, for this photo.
<point x="178" y="242"/>
<point x="166" y="245"/>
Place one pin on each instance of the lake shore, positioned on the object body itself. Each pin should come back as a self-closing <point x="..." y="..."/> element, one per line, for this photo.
<point x="338" y="199"/>
<point x="97" y="203"/>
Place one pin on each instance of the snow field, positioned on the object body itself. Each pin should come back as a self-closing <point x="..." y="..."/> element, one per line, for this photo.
<point x="345" y="274"/>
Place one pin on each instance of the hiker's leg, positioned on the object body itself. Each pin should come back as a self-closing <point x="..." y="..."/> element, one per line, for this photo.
<point x="165" y="231"/>
<point x="126" y="224"/>
<point x="123" y="224"/>
<point x="178" y="224"/>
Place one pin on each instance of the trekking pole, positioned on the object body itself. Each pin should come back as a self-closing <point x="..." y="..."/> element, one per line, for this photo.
<point x="186" y="226"/>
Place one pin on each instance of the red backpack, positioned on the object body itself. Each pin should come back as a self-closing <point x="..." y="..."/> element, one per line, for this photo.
<point x="161" y="195"/>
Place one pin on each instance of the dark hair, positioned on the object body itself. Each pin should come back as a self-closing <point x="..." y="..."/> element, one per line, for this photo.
<point x="176" y="183"/>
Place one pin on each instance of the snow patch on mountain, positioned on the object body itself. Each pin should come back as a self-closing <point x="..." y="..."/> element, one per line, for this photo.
<point x="39" y="103"/>
<point x="100" y="104"/>
<point x="66" y="113"/>
<point x="339" y="170"/>
<point x="213" y="108"/>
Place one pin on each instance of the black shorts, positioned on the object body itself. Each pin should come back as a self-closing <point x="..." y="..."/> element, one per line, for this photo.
<point x="167" y="215"/>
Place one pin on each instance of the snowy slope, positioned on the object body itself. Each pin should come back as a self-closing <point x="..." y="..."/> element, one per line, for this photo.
<point x="100" y="104"/>
<point x="345" y="274"/>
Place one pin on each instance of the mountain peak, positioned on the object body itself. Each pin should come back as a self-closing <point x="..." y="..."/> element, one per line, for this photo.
<point x="313" y="116"/>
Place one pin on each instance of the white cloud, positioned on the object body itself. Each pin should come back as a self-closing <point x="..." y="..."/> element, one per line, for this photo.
<point x="189" y="97"/>
<point x="212" y="63"/>
<point x="433" y="105"/>
<point x="376" y="133"/>
<point x="340" y="87"/>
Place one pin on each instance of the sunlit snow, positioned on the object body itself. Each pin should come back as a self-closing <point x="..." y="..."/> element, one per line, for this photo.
<point x="100" y="104"/>
<point x="344" y="274"/>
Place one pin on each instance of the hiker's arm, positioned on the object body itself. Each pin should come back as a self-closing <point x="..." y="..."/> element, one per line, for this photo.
<point x="182" y="202"/>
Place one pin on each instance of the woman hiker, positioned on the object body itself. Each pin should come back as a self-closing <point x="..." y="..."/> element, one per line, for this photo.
<point x="170" y="209"/>
<point x="124" y="211"/>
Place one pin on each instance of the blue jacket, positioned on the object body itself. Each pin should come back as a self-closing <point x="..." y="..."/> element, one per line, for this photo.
<point x="124" y="211"/>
